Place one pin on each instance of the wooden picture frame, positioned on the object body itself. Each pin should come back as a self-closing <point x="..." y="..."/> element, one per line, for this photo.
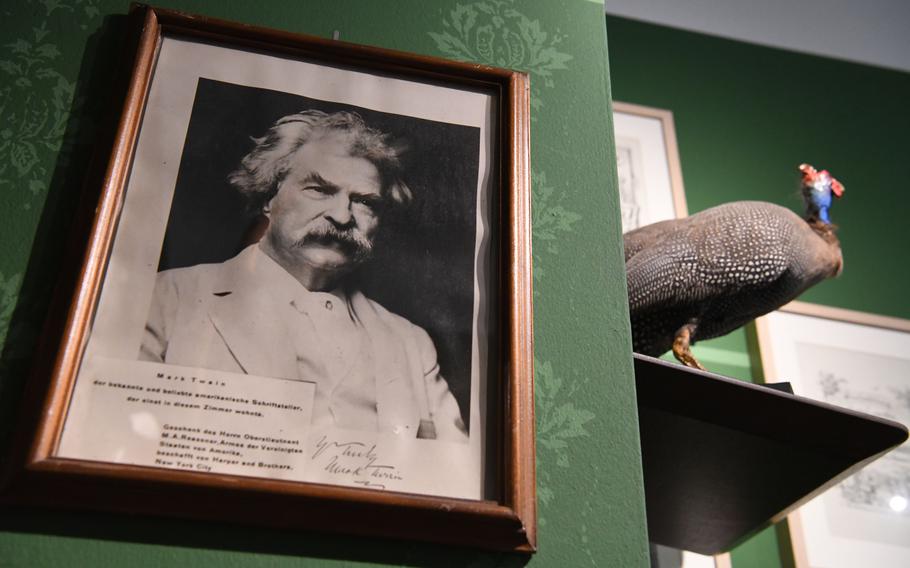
<point x="648" y="165"/>
<point x="194" y="80"/>
<point x="858" y="361"/>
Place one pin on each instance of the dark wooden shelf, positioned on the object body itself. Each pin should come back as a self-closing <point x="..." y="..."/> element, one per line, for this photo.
<point x="723" y="458"/>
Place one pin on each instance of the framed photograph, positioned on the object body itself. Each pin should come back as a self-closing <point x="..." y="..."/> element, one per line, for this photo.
<point x="650" y="175"/>
<point x="306" y="295"/>
<point x="861" y="362"/>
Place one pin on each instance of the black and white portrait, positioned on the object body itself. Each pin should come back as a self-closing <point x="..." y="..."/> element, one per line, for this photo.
<point x="316" y="241"/>
<point x="304" y="264"/>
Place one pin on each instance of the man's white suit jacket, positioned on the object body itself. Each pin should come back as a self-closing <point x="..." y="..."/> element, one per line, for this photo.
<point x="217" y="316"/>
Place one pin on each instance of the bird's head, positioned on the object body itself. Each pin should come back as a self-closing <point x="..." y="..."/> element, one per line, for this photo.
<point x="818" y="189"/>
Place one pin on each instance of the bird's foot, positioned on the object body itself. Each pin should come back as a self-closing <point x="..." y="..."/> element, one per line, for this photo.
<point x="681" y="348"/>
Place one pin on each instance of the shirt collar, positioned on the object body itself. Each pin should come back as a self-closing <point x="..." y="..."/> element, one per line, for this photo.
<point x="281" y="285"/>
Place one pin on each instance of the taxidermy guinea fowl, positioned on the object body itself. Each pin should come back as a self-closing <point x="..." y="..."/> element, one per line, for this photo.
<point x="705" y="275"/>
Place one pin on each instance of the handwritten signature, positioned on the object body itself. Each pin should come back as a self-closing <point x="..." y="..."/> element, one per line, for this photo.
<point x="355" y="459"/>
<point x="348" y="449"/>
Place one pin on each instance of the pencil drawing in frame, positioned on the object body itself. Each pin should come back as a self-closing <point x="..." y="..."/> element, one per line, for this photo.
<point x="859" y="361"/>
<point x="648" y="166"/>
<point x="306" y="284"/>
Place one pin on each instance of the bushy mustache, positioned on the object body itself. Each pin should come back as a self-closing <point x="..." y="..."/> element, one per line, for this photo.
<point x="352" y="240"/>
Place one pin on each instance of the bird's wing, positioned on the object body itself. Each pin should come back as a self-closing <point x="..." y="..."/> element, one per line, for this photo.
<point x="703" y="264"/>
<point x="648" y="236"/>
<point x="662" y="276"/>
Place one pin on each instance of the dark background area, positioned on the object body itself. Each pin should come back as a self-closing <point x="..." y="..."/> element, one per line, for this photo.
<point x="423" y="265"/>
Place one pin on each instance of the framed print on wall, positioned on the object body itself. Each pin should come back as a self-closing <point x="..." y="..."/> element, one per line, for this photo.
<point x="862" y="362"/>
<point x="648" y="167"/>
<point x="305" y="299"/>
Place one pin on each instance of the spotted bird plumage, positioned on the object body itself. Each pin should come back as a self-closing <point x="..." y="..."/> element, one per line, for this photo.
<point x="707" y="274"/>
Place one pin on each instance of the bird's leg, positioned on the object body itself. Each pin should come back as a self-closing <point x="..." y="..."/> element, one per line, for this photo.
<point x="681" y="347"/>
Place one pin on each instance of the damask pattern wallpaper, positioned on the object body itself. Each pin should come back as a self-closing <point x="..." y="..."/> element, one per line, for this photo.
<point x="589" y="480"/>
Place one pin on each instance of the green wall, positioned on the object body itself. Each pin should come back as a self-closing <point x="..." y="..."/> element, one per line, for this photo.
<point x="745" y="117"/>
<point x="56" y="63"/>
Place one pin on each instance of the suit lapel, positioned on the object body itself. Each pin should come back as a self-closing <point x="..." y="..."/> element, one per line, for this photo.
<point x="395" y="404"/>
<point x="249" y="320"/>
